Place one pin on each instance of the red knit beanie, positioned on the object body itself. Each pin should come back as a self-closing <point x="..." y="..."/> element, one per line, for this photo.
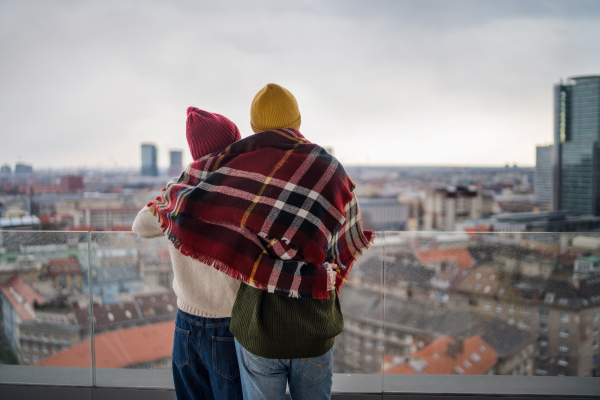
<point x="208" y="132"/>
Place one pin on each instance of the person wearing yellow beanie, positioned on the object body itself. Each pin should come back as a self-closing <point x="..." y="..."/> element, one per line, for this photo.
<point x="283" y="340"/>
<point x="274" y="107"/>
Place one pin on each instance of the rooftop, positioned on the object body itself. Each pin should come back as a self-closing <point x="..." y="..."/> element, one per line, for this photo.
<point x="459" y="255"/>
<point x="21" y="296"/>
<point x="119" y="348"/>
<point x="444" y="356"/>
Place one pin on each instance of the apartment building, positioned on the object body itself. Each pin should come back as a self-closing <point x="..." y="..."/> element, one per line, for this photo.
<point x="39" y="340"/>
<point x="383" y="214"/>
<point x="565" y="321"/>
<point x="52" y="328"/>
<point x="444" y="207"/>
<point x="547" y="299"/>
<point x="106" y="211"/>
<point x="26" y="266"/>
<point x="515" y="348"/>
<point x="64" y="273"/>
<point x="104" y="218"/>
<point x="114" y="269"/>
<point x="401" y="327"/>
<point x="18" y="297"/>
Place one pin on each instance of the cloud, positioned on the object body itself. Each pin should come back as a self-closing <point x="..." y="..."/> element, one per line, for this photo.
<point x="408" y="82"/>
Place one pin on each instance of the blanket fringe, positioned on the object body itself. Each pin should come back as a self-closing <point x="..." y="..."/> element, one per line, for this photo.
<point x="339" y="282"/>
<point x="355" y="256"/>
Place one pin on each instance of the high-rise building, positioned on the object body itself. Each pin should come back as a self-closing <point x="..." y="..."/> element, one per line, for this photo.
<point x="543" y="175"/>
<point x="21" y="168"/>
<point x="176" y="165"/>
<point x="576" y="163"/>
<point x="149" y="160"/>
<point x="5" y="169"/>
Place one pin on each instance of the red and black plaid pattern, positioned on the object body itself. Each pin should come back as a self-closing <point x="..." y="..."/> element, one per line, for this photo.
<point x="272" y="210"/>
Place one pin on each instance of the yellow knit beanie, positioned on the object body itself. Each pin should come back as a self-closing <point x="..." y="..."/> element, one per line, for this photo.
<point x="274" y="107"/>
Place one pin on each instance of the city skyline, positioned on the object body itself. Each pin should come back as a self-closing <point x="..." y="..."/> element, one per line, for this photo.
<point x="389" y="83"/>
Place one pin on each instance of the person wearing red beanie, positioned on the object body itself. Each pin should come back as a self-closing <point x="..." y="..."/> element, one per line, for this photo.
<point x="204" y="360"/>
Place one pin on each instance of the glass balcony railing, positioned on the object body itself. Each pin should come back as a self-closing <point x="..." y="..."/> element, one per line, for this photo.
<point x="96" y="309"/>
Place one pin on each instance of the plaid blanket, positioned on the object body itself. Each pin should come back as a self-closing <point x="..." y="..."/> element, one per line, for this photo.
<point x="272" y="210"/>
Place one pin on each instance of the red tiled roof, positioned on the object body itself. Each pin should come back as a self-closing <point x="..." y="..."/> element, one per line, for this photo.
<point x="476" y="358"/>
<point x="474" y="230"/>
<point x="59" y="266"/>
<point x="388" y="358"/>
<point x="460" y="255"/>
<point x="21" y="295"/>
<point x="119" y="348"/>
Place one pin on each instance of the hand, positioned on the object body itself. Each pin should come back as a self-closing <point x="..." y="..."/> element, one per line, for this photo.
<point x="332" y="272"/>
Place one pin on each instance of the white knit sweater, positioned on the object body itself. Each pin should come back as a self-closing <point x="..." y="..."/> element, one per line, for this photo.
<point x="201" y="290"/>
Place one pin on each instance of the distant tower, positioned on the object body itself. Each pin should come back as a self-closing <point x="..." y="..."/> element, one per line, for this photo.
<point x="21" y="168"/>
<point x="149" y="160"/>
<point x="176" y="166"/>
<point x="5" y="169"/>
<point x="576" y="160"/>
<point x="543" y="175"/>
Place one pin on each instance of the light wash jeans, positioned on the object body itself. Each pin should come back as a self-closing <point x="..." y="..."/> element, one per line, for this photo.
<point x="266" y="378"/>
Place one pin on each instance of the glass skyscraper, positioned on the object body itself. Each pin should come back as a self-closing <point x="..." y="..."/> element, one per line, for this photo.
<point x="176" y="166"/>
<point x="543" y="175"/>
<point x="149" y="160"/>
<point x="577" y="145"/>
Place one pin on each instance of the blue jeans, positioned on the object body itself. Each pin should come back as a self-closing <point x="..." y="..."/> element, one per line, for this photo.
<point x="266" y="378"/>
<point x="204" y="359"/>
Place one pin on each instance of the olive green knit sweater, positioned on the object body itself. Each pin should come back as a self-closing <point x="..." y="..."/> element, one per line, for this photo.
<point x="272" y="326"/>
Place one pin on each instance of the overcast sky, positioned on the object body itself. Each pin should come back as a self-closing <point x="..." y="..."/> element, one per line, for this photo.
<point x="383" y="82"/>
